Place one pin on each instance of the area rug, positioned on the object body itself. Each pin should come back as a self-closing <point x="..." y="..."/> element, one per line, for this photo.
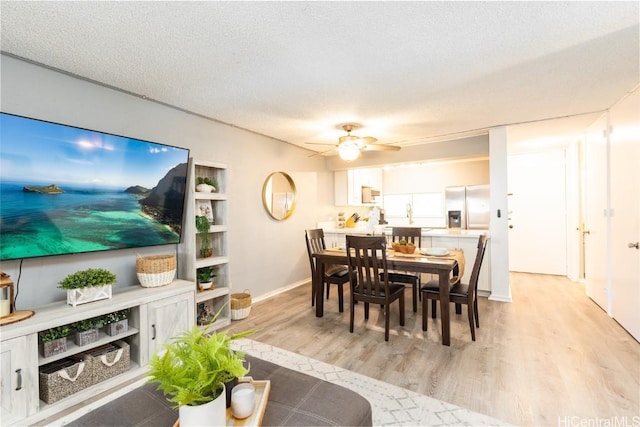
<point x="391" y="405"/>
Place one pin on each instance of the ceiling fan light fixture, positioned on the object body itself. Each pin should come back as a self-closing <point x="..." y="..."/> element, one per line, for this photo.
<point x="348" y="152"/>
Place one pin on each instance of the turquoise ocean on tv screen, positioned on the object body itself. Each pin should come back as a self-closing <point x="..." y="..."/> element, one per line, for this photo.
<point x="79" y="220"/>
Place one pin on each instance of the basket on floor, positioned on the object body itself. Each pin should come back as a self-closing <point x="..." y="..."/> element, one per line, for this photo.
<point x="156" y="270"/>
<point x="240" y="305"/>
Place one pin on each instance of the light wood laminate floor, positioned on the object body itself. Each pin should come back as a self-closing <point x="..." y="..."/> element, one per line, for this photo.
<point x="551" y="357"/>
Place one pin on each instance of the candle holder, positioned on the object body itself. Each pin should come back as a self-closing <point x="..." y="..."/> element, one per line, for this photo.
<point x="8" y="312"/>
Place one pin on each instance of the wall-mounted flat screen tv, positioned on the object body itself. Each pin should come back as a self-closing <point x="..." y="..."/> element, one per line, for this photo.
<point x="67" y="190"/>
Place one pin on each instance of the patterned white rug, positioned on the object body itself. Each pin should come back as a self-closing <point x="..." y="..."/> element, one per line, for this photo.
<point x="390" y="405"/>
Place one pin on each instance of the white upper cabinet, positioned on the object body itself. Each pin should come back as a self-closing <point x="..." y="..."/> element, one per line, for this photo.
<point x="348" y="185"/>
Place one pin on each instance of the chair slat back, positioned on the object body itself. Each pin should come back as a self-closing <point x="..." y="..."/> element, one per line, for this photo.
<point x="315" y="243"/>
<point x="477" y="264"/>
<point x="367" y="259"/>
<point x="410" y="234"/>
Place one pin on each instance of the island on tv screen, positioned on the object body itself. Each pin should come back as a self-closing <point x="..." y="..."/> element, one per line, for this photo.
<point x="67" y="190"/>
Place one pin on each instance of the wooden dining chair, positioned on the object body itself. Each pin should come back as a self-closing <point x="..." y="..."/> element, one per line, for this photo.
<point x="410" y="235"/>
<point x="459" y="293"/>
<point x="333" y="274"/>
<point x="368" y="262"/>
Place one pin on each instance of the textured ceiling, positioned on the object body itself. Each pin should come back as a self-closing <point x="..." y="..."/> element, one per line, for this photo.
<point x="408" y="72"/>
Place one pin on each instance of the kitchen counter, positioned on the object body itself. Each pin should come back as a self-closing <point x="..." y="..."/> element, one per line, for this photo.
<point x="426" y="232"/>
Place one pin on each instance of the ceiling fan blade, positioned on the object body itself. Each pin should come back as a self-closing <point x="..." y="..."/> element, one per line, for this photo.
<point x="319" y="143"/>
<point x="321" y="153"/>
<point x="381" y="147"/>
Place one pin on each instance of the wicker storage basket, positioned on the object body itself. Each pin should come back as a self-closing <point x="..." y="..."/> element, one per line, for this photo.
<point x="65" y="377"/>
<point x="156" y="270"/>
<point x="109" y="360"/>
<point x="240" y="305"/>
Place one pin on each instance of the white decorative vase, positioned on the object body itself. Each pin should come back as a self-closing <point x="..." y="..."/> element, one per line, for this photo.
<point x="210" y="414"/>
<point x="89" y="294"/>
<point x="205" y="188"/>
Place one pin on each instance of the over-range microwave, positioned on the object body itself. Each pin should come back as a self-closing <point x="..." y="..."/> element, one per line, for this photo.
<point x="370" y="195"/>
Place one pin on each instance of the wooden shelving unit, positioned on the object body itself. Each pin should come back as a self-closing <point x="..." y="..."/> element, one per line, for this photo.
<point x="190" y="259"/>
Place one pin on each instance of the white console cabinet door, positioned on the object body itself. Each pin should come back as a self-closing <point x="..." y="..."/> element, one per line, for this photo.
<point x="19" y="379"/>
<point x="168" y="318"/>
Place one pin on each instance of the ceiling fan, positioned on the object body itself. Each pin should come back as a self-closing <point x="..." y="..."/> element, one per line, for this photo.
<point x="350" y="146"/>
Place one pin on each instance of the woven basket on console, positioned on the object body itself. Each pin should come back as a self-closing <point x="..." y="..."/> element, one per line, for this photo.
<point x="156" y="270"/>
<point x="240" y="305"/>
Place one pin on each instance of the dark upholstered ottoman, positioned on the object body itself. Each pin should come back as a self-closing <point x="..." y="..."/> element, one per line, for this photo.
<point x="295" y="399"/>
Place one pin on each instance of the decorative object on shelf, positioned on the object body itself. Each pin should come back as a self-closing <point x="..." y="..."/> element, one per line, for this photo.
<point x="205" y="278"/>
<point x="87" y="330"/>
<point x="205" y="208"/>
<point x="192" y="370"/>
<point x="155" y="270"/>
<point x="240" y="305"/>
<point x="88" y="285"/>
<point x="8" y="312"/>
<point x="206" y="185"/>
<point x="117" y="322"/>
<point x="279" y="195"/>
<point x="202" y="225"/>
<point x="53" y="341"/>
<point x="204" y="314"/>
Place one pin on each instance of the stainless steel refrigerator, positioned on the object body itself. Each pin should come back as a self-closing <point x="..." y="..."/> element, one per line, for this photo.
<point x="467" y="207"/>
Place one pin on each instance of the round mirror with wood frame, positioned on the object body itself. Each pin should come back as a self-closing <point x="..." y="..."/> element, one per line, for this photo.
<point x="279" y="195"/>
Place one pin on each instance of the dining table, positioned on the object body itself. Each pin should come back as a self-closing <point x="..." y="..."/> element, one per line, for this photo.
<point x="438" y="265"/>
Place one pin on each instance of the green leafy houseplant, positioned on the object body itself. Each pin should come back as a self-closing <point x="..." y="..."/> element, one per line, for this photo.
<point x="55" y="333"/>
<point x="88" y="324"/>
<point x="205" y="274"/>
<point x="92" y="277"/>
<point x="116" y="316"/>
<point x="202" y="225"/>
<point x="195" y="365"/>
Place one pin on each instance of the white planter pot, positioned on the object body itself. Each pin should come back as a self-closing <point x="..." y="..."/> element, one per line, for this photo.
<point x="210" y="414"/>
<point x="85" y="295"/>
<point x="205" y="188"/>
<point x="206" y="285"/>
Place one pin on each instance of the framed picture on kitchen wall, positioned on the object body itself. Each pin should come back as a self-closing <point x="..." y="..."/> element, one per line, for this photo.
<point x="204" y="208"/>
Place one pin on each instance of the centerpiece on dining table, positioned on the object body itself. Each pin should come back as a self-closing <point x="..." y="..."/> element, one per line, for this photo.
<point x="403" y="247"/>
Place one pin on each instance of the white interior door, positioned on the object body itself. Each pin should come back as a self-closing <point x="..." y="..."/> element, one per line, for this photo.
<point x="595" y="196"/>
<point x="538" y="213"/>
<point x="625" y="219"/>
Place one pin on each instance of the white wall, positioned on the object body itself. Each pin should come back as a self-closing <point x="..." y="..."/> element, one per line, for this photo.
<point x="435" y="177"/>
<point x="265" y="255"/>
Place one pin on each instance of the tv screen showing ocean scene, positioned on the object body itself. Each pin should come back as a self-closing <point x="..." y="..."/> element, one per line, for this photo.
<point x="66" y="190"/>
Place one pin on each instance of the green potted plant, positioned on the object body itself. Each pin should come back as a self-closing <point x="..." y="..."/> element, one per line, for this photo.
<point x="53" y="341"/>
<point x="87" y="330"/>
<point x="205" y="184"/>
<point x="205" y="277"/>
<point x="117" y="322"/>
<point x="192" y="371"/>
<point x="88" y="285"/>
<point x="202" y="225"/>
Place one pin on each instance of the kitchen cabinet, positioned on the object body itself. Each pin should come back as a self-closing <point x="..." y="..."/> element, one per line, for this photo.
<point x="208" y="301"/>
<point x="19" y="378"/>
<point x="348" y="185"/>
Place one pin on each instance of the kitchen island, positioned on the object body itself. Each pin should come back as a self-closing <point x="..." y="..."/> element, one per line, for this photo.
<point x="466" y="240"/>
